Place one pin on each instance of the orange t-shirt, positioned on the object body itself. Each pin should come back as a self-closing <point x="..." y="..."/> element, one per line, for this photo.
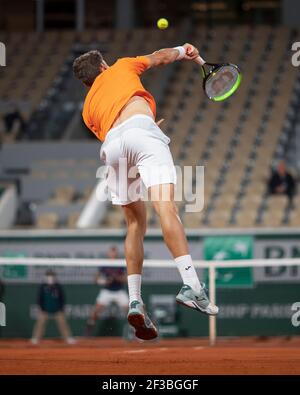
<point x="110" y="92"/>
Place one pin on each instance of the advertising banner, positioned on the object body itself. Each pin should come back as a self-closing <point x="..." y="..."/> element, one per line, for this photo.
<point x="220" y="248"/>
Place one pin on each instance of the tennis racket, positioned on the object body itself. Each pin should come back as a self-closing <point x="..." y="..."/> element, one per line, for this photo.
<point x="221" y="80"/>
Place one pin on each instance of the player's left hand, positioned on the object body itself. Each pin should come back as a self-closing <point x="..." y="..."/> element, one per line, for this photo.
<point x="191" y="52"/>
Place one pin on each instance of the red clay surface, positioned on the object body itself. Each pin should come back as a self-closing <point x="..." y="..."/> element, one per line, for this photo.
<point x="178" y="356"/>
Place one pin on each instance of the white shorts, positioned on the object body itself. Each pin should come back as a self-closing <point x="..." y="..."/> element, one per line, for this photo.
<point x="136" y="153"/>
<point x="106" y="297"/>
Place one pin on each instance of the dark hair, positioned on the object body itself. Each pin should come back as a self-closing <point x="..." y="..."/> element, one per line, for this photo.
<point x="50" y="272"/>
<point x="87" y="67"/>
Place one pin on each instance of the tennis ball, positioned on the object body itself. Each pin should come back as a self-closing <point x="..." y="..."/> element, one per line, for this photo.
<point x="162" y="23"/>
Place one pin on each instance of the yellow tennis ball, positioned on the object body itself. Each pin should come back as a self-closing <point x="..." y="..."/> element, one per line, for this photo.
<point x="162" y="23"/>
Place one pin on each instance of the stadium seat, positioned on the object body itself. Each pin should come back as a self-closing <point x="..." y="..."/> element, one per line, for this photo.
<point x="47" y="221"/>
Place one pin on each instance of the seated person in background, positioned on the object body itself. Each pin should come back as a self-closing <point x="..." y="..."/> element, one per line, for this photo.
<point x="112" y="280"/>
<point x="13" y="124"/>
<point x="282" y="182"/>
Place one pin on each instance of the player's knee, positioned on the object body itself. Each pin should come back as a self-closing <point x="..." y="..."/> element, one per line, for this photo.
<point x="136" y="224"/>
<point x="165" y="208"/>
<point x="137" y="228"/>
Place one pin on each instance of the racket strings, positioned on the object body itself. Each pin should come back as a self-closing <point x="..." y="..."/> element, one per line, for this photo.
<point x="222" y="81"/>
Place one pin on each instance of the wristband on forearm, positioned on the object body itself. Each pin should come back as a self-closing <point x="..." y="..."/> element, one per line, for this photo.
<point x="181" y="54"/>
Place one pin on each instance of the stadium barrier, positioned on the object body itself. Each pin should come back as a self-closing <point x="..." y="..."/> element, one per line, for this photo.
<point x="212" y="267"/>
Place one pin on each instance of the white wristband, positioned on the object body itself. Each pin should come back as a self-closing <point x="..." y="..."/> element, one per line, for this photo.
<point x="181" y="54"/>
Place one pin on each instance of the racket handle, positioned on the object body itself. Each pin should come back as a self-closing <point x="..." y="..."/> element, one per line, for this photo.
<point x="200" y="61"/>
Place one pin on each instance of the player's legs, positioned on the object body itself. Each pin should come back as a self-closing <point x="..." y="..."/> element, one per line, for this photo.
<point x="162" y="197"/>
<point x="122" y="151"/>
<point x="121" y="299"/>
<point x="39" y="328"/>
<point x="145" y="147"/>
<point x="97" y="310"/>
<point x="91" y="322"/>
<point x="63" y="327"/>
<point x="135" y="215"/>
<point x="192" y="293"/>
<point x="103" y="300"/>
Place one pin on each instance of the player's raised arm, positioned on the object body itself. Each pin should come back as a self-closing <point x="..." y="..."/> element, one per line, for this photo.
<point x="169" y="55"/>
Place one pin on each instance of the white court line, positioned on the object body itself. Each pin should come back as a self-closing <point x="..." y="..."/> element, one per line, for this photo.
<point x="143" y="350"/>
<point x="133" y="351"/>
<point x="154" y="349"/>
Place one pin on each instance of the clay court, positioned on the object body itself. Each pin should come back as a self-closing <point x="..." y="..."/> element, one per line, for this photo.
<point x="181" y="356"/>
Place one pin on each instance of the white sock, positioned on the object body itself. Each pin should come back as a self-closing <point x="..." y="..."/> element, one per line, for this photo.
<point x="134" y="287"/>
<point x="187" y="271"/>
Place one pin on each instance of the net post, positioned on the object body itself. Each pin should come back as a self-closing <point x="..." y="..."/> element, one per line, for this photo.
<point x="212" y="297"/>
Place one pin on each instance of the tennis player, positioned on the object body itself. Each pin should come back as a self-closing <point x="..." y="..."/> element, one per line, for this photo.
<point x="121" y="113"/>
<point x="112" y="281"/>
